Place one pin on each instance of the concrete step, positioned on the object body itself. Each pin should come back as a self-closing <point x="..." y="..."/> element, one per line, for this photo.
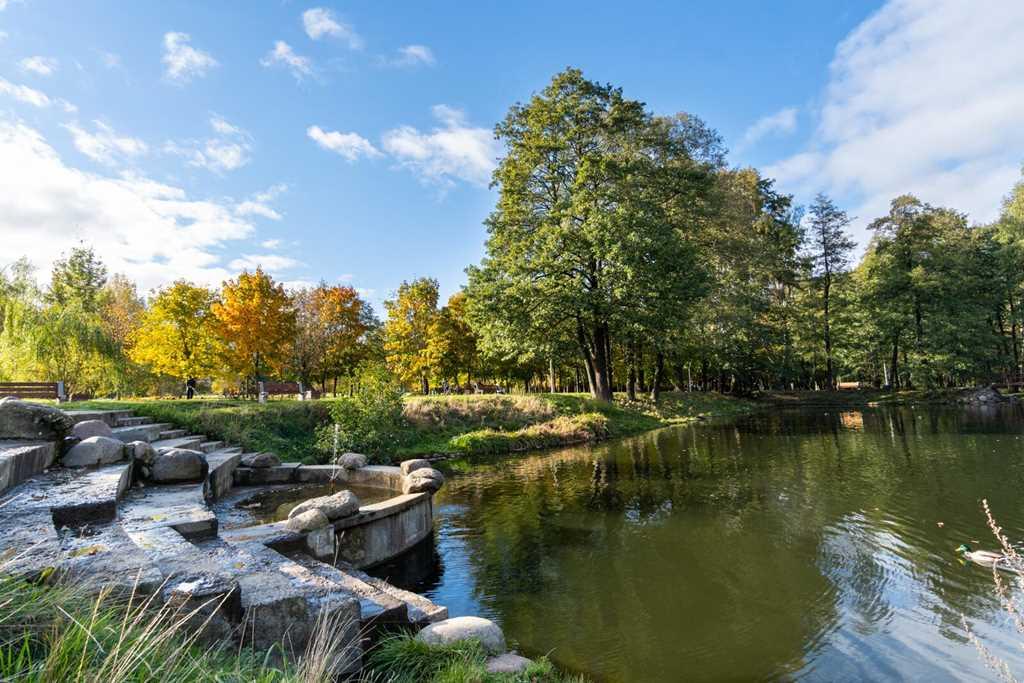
<point x="190" y="442"/>
<point x="210" y="446"/>
<point x="109" y="416"/>
<point x="422" y="611"/>
<point x="90" y="497"/>
<point x="181" y="507"/>
<point x="147" y="432"/>
<point x="222" y="471"/>
<point x="375" y="606"/>
<point x="173" y="434"/>
<point x="134" y="421"/>
<point x="20" y="460"/>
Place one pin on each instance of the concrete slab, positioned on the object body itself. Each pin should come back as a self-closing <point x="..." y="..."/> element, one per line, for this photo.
<point x="181" y="507"/>
<point x="281" y="474"/>
<point x="222" y="471"/>
<point x="150" y="432"/>
<point x="20" y="460"/>
<point x="91" y="497"/>
<point x="186" y="442"/>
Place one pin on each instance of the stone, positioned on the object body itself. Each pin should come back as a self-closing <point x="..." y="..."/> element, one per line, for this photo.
<point x="982" y="396"/>
<point x="309" y="520"/>
<point x="213" y="605"/>
<point x="321" y="543"/>
<point x="352" y="461"/>
<point x="142" y="451"/>
<point x="458" y="629"/>
<point x="96" y="450"/>
<point x="260" y="460"/>
<point x="508" y="663"/>
<point x="410" y="466"/>
<point x="35" y="421"/>
<point x="337" y="506"/>
<point x="421" y="480"/>
<point x="178" y="465"/>
<point x="83" y="430"/>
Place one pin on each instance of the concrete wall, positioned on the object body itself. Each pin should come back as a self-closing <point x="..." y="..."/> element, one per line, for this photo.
<point x="384" y="530"/>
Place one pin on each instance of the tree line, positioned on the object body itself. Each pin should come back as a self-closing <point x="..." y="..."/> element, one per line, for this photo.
<point x="624" y="255"/>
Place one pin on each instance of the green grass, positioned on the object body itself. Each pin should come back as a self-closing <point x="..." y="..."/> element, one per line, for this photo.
<point x="472" y="425"/>
<point x="403" y="659"/>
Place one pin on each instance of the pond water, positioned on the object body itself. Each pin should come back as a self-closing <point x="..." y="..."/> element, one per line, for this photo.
<point x="247" y="506"/>
<point x="791" y="545"/>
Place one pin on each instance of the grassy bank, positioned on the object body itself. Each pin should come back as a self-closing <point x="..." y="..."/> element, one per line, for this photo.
<point x="57" y="633"/>
<point x="448" y="425"/>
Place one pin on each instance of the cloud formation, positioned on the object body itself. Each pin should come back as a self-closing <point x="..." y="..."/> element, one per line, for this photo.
<point x="183" y="62"/>
<point x="452" y="151"/>
<point x="410" y="56"/>
<point x="150" y="231"/>
<point x="779" y="123"/>
<point x="41" y="66"/>
<point x="259" y="205"/>
<point x="104" y="144"/>
<point x="31" y="96"/>
<point x="321" y="23"/>
<point x="226" y="152"/>
<point x="273" y="263"/>
<point x="351" y="146"/>
<point x="924" y="97"/>
<point x="283" y="55"/>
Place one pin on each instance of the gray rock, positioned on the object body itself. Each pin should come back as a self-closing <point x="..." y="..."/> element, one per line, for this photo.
<point x="421" y="480"/>
<point x="142" y="451"/>
<point x="24" y="420"/>
<point x="210" y="605"/>
<point x="352" y="461"/>
<point x="410" y="466"/>
<point x="260" y="460"/>
<point x="336" y="506"/>
<point x="465" y="628"/>
<point x="177" y="465"/>
<point x="310" y="520"/>
<point x="96" y="450"/>
<point x="508" y="663"/>
<point x="83" y="430"/>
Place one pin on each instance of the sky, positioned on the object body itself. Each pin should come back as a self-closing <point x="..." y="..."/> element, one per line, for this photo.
<point x="351" y="142"/>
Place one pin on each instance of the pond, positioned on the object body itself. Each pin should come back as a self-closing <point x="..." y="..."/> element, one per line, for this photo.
<point x="788" y="545"/>
<point x="250" y="506"/>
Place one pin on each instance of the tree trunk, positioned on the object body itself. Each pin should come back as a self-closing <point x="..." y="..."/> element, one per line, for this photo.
<point x="659" y="370"/>
<point x="829" y="373"/>
<point x="631" y="375"/>
<point x="551" y="374"/>
<point x="424" y="385"/>
<point x="895" y="371"/>
<point x="594" y="348"/>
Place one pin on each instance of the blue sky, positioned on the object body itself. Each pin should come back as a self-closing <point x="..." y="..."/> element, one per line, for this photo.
<point x="350" y="141"/>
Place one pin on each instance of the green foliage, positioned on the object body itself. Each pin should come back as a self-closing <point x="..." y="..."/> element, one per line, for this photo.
<point x="368" y="422"/>
<point x="561" y="431"/>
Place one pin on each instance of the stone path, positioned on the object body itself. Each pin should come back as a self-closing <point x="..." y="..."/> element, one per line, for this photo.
<point x="100" y="527"/>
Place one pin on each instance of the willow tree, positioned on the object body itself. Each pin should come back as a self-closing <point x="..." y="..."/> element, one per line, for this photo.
<point x="583" y="241"/>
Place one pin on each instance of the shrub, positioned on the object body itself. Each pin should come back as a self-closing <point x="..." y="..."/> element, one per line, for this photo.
<point x="369" y="422"/>
<point x="560" y="431"/>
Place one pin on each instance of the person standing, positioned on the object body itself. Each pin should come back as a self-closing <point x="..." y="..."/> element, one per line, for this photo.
<point x="190" y="387"/>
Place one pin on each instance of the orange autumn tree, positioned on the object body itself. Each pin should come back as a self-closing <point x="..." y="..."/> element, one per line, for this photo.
<point x="332" y="322"/>
<point x="255" y="324"/>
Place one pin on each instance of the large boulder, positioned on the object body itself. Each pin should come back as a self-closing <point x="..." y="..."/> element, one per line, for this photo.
<point x="352" y="461"/>
<point x="174" y="465"/>
<point x="83" y="430"/>
<point x="336" y="506"/>
<point x="982" y="396"/>
<point x="458" y="629"/>
<point x="260" y="460"/>
<point x="410" y="466"/>
<point x="428" y="479"/>
<point x="96" y="450"/>
<point x="310" y="520"/>
<point x="35" y="421"/>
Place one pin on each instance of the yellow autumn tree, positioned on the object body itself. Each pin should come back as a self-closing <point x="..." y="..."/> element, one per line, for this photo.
<point x="176" y="336"/>
<point x="255" y="322"/>
<point x="451" y="346"/>
<point x="407" y="331"/>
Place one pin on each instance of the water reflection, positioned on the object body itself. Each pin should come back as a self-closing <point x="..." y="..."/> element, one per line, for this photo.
<point x="784" y="545"/>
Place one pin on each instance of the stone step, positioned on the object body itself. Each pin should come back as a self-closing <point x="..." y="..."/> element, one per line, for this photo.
<point x="375" y="606"/>
<point x="210" y="446"/>
<point x="181" y="507"/>
<point x="222" y="471"/>
<point x="20" y="460"/>
<point x="109" y="416"/>
<point x="190" y="442"/>
<point x="147" y="432"/>
<point x="422" y="611"/>
<point x="90" y="497"/>
<point x="134" y="421"/>
<point x="173" y="434"/>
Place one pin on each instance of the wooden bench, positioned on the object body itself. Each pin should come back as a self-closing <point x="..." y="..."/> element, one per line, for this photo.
<point x="51" y="390"/>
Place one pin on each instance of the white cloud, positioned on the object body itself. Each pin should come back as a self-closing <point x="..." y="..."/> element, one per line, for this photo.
<point x="412" y="55"/>
<point x="259" y="205"/>
<point x="3" y="36"/>
<point x="454" y="150"/>
<point x="105" y="145"/>
<point x="182" y="61"/>
<point x="228" y="152"/>
<point x="283" y="55"/>
<point x="41" y="66"/>
<point x="320" y="22"/>
<point x="352" y="146"/>
<point x="270" y="262"/>
<point x="25" y="94"/>
<point x="924" y="97"/>
<point x="271" y="244"/>
<point x="779" y="123"/>
<point x="150" y="231"/>
<point x="111" y="60"/>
